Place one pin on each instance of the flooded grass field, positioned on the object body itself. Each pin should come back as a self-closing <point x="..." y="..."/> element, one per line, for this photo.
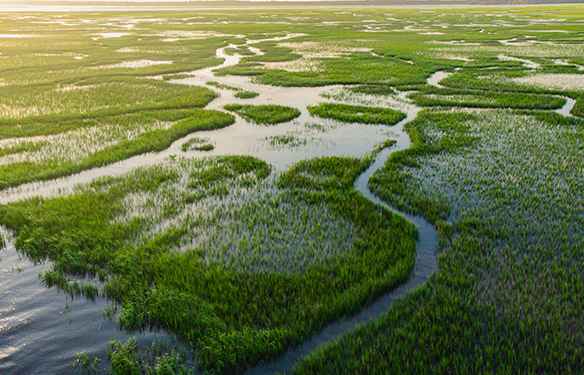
<point x="311" y="191"/>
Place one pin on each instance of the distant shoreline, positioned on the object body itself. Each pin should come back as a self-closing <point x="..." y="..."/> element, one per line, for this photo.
<point x="92" y="5"/>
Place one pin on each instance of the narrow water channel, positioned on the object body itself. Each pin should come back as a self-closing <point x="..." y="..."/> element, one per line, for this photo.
<point x="426" y="264"/>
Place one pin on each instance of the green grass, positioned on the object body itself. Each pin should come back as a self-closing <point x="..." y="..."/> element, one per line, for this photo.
<point x="375" y="89"/>
<point x="286" y="140"/>
<point x="246" y="94"/>
<point x="156" y="140"/>
<point x="509" y="284"/>
<point x="359" y="114"/>
<point x="96" y="97"/>
<point x="490" y="100"/>
<point x="160" y="359"/>
<point x="169" y="77"/>
<point x="240" y="50"/>
<point x="159" y="114"/>
<point x="222" y="86"/>
<point x="578" y="109"/>
<point x="199" y="144"/>
<point x="264" y="114"/>
<point x="234" y="307"/>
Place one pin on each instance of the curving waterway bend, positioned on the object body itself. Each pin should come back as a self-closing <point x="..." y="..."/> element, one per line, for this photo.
<point x="426" y="264"/>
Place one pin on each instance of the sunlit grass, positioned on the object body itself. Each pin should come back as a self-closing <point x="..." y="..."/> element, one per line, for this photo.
<point x="264" y="114"/>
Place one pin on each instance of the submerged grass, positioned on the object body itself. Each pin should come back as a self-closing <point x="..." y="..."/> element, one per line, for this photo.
<point x="199" y="144"/>
<point x="246" y="94"/>
<point x="490" y="100"/>
<point x="156" y="140"/>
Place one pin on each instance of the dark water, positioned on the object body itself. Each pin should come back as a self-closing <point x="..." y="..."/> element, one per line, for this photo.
<point x="41" y="330"/>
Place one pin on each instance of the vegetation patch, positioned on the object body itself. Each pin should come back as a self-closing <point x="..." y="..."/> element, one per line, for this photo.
<point x="240" y="50"/>
<point x="222" y="86"/>
<point x="490" y="100"/>
<point x="238" y="292"/>
<point x="359" y="114"/>
<point x="264" y="114"/>
<point x="246" y="94"/>
<point x="170" y="77"/>
<point x="22" y="171"/>
<point x="161" y="358"/>
<point x="373" y="89"/>
<point x="505" y="279"/>
<point x="199" y="144"/>
<point x="290" y="139"/>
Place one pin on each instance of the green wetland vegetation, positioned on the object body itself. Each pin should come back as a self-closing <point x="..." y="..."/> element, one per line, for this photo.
<point x="361" y="114"/>
<point x="270" y="114"/>
<point x="237" y="261"/>
<point x="199" y="144"/>
<point x="241" y="261"/>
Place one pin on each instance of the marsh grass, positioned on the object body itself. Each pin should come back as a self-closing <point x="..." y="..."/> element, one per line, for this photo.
<point x="246" y="94"/>
<point x="291" y="139"/>
<point x="98" y="96"/>
<point x="199" y="144"/>
<point x="490" y="100"/>
<point x="170" y="77"/>
<point x="14" y="174"/>
<point x="359" y="114"/>
<point x="270" y="114"/>
<point x="162" y="358"/>
<point x="222" y="86"/>
<point x="500" y="189"/>
<point x="240" y="50"/>
<point x="166" y="226"/>
<point x="375" y="89"/>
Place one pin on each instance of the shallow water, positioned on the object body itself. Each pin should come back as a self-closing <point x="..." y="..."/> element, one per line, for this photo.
<point x="566" y="63"/>
<point x="41" y="330"/>
<point x="553" y="81"/>
<point x="527" y="63"/>
<point x="567" y="108"/>
<point x="434" y="79"/>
